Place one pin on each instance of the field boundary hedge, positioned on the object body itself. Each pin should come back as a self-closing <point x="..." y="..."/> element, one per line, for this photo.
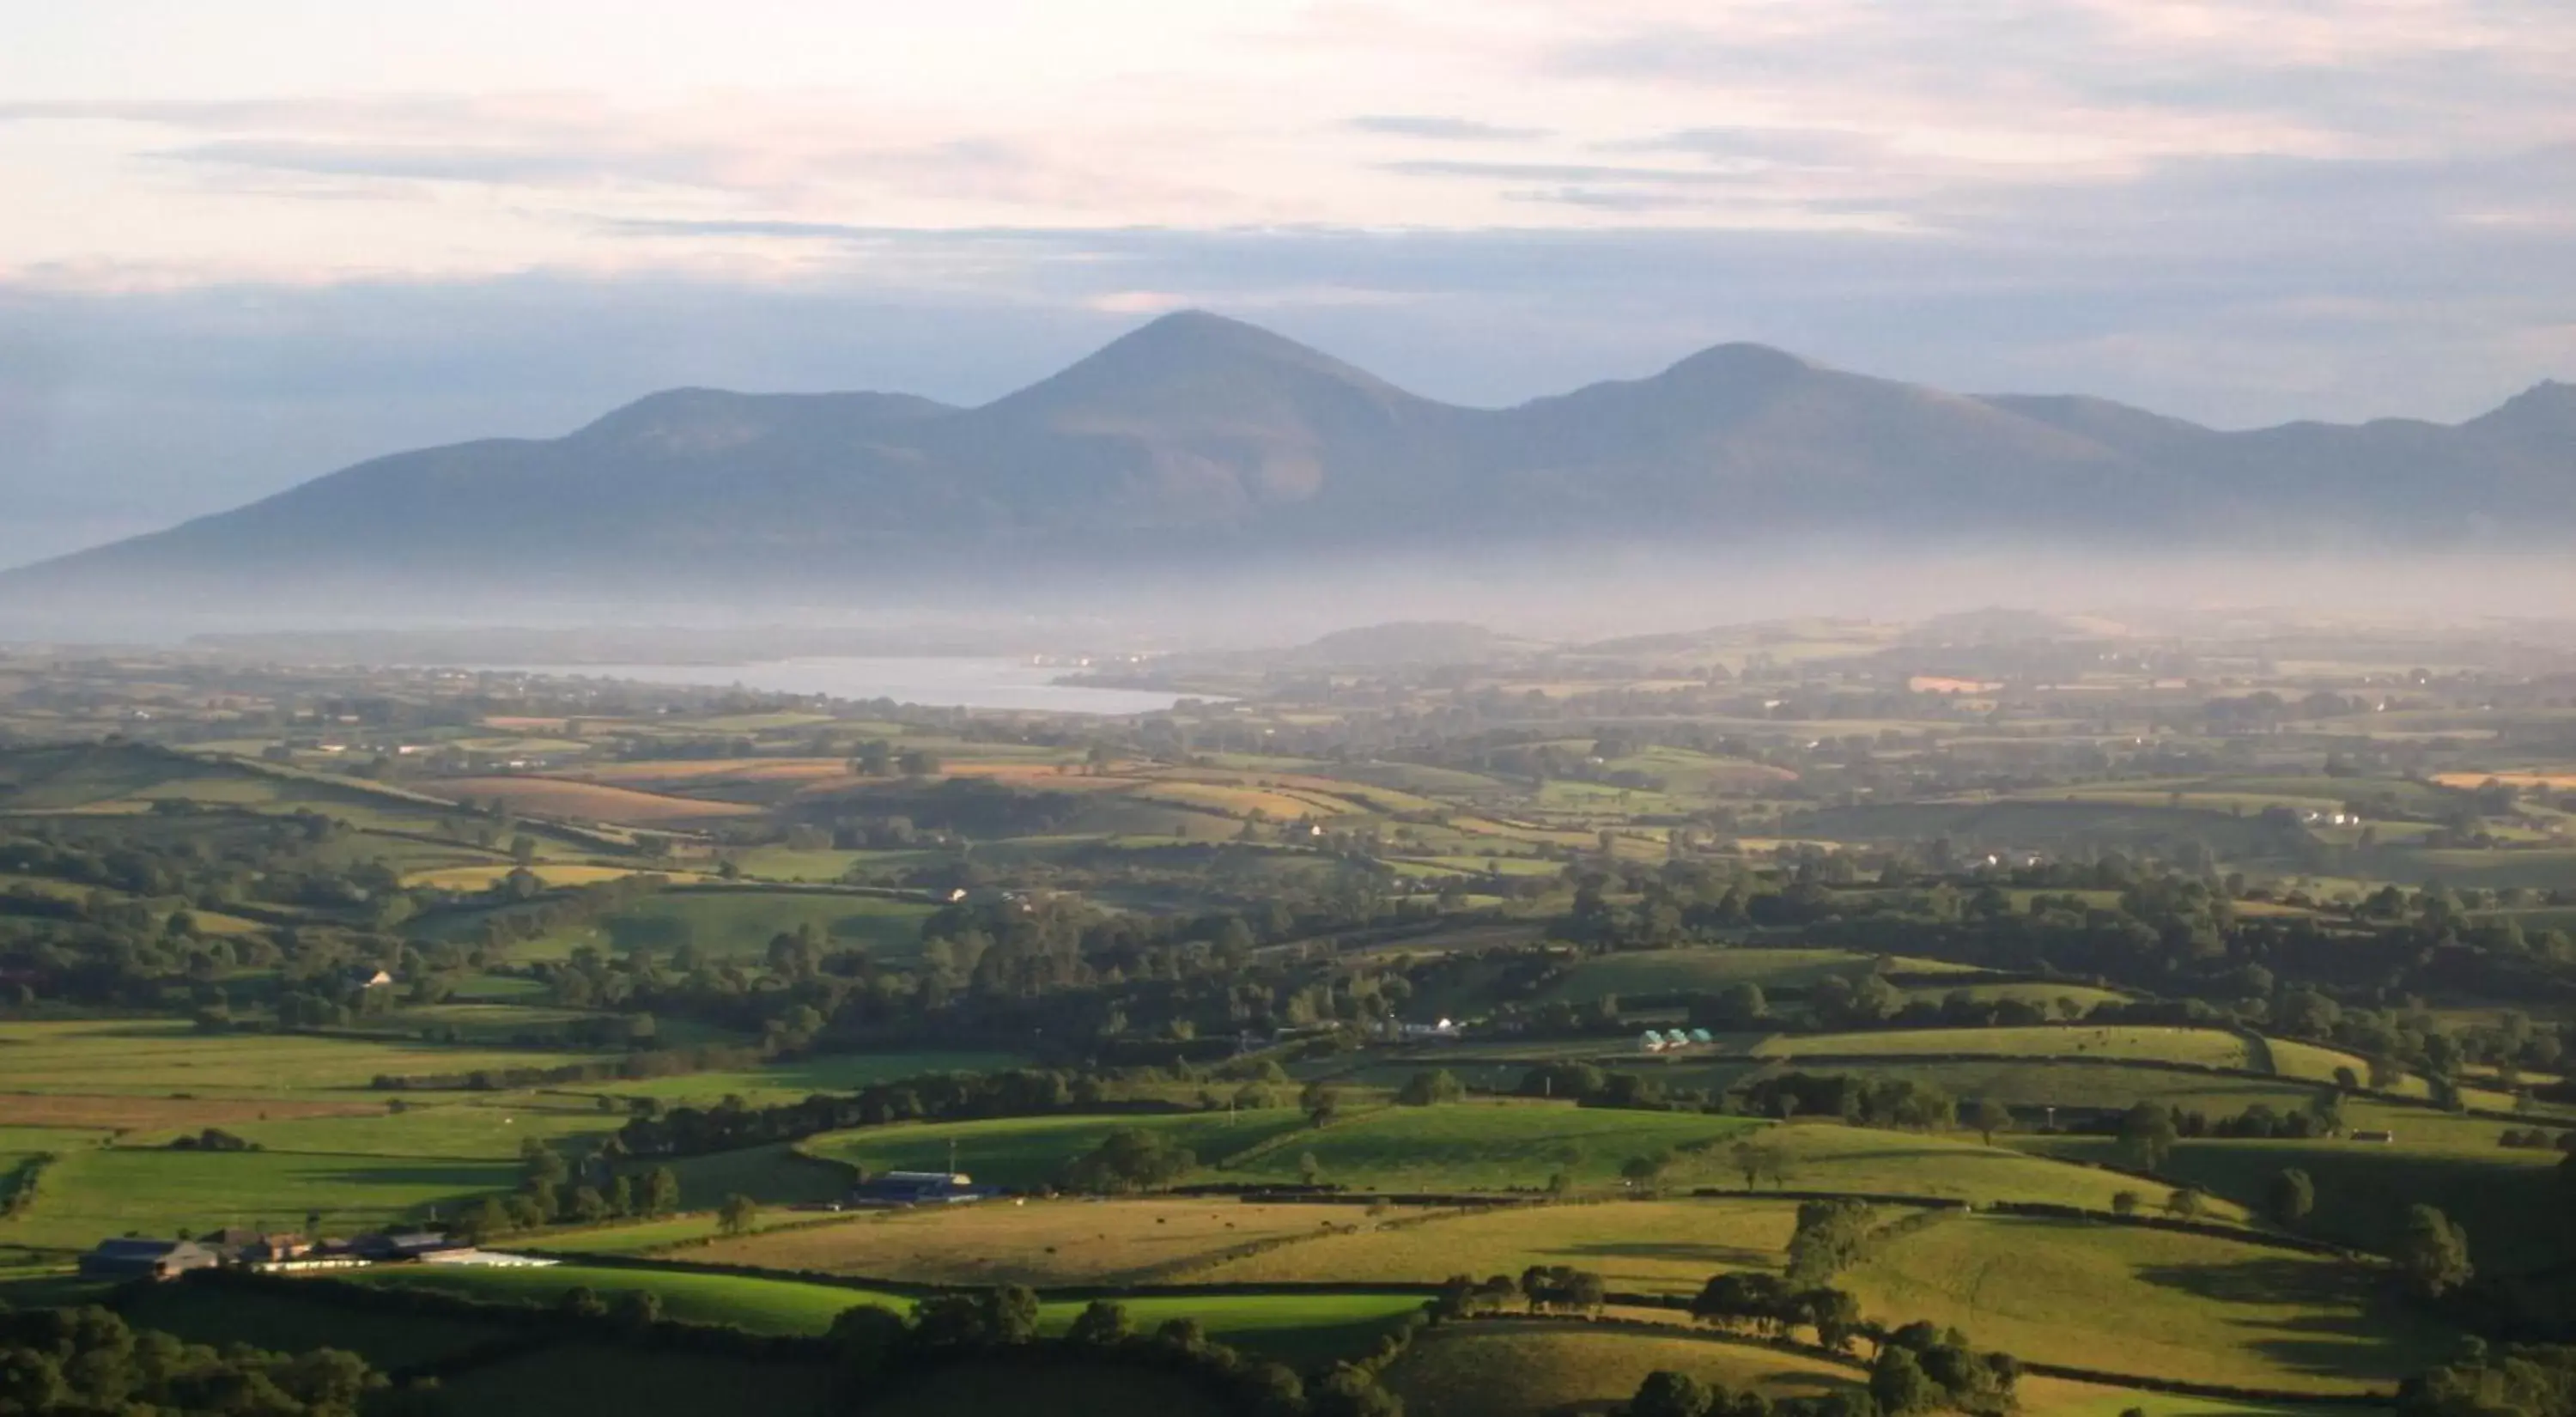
<point x="18" y="1188"/>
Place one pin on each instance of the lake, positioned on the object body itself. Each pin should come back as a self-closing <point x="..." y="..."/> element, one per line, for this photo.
<point x="938" y="682"/>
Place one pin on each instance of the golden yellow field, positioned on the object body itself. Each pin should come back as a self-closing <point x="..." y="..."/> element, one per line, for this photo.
<point x="1041" y="1242"/>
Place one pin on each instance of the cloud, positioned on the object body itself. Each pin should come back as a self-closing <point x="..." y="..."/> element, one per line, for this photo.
<point x="1449" y="130"/>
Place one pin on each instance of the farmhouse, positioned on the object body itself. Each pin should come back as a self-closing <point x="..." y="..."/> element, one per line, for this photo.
<point x="409" y="1245"/>
<point x="908" y="1188"/>
<point x="146" y="1259"/>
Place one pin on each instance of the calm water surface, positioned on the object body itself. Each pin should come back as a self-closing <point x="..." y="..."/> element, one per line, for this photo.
<point x="962" y="683"/>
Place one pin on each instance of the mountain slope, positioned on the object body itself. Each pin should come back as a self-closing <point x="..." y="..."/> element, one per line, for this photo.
<point x="1200" y="440"/>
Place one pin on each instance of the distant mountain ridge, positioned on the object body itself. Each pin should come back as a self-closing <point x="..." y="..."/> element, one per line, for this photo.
<point x="1201" y="440"/>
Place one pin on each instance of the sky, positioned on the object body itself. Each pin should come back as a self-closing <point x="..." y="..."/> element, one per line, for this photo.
<point x="243" y="245"/>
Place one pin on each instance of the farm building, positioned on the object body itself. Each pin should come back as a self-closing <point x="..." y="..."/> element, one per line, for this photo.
<point x="146" y="1259"/>
<point x="410" y="1245"/>
<point x="256" y="1246"/>
<point x="906" y="1188"/>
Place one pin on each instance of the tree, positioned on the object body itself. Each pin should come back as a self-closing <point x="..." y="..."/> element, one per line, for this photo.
<point x="588" y="1205"/>
<point x="2186" y="1202"/>
<point x="1309" y="1170"/>
<point x="2433" y="1253"/>
<point x="2147" y="1137"/>
<point x="582" y="1302"/>
<point x="1900" y="1385"/>
<point x="1101" y="1324"/>
<point x="1640" y="1172"/>
<point x="1989" y="1116"/>
<point x="865" y="1337"/>
<point x="662" y="1191"/>
<point x="636" y="1309"/>
<point x="2126" y="1202"/>
<point x="1665" y="1393"/>
<point x="1322" y="1103"/>
<point x="737" y="1214"/>
<point x="1348" y="1392"/>
<point x="1431" y="1089"/>
<point x="2290" y="1197"/>
<point x="487" y="1218"/>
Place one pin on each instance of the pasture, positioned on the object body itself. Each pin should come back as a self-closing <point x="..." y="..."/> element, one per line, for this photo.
<point x="1649" y="1246"/>
<point x="1525" y="1368"/>
<point x="1300" y="1326"/>
<point x="166" y="1056"/>
<point x="96" y="1192"/>
<point x="572" y="800"/>
<point x="1045" y="1242"/>
<point x="2150" y="1303"/>
<point x="731" y="922"/>
<point x="1027" y="1152"/>
<point x="2204" y="1047"/>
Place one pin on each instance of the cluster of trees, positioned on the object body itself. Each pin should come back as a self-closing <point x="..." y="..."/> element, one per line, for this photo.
<point x="1000" y="1325"/>
<point x="2514" y="1381"/>
<point x="1752" y="1301"/>
<point x="1854" y="1097"/>
<point x="78" y="1362"/>
<point x="1918" y="1368"/>
<point x="1540" y="1289"/>
<point x="551" y="1192"/>
<point x="1130" y="1159"/>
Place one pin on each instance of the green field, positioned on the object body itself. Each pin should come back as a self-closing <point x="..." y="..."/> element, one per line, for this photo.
<point x="99" y="1192"/>
<point x="1711" y="970"/>
<point x="167" y="1056"/>
<point x="796" y="1080"/>
<point x="2152" y="1303"/>
<point x="1025" y="1152"/>
<point x="733" y="922"/>
<point x="2205" y="1047"/>
<point x="1301" y="1325"/>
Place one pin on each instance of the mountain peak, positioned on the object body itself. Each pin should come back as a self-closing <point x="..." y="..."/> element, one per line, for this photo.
<point x="2546" y="409"/>
<point x="1740" y="362"/>
<point x="1194" y="363"/>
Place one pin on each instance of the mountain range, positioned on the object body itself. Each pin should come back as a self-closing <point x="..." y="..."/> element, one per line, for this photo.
<point x="1202" y="440"/>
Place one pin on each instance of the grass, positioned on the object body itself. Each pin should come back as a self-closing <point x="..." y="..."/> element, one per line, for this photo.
<point x="1025" y="1152"/>
<point x="2208" y="1047"/>
<point x="2511" y="1202"/>
<point x="737" y="921"/>
<point x="294" y="1323"/>
<point x="1484" y="1145"/>
<point x="99" y="1192"/>
<point x="1669" y="1246"/>
<point x="1523" y="1369"/>
<point x="1710" y="970"/>
<point x="2150" y="1303"/>
<point x="2032" y="1085"/>
<point x="163" y="1056"/>
<point x="588" y="801"/>
<point x="1040" y="1243"/>
<point x="1303" y="1326"/>
<point x="597" y="1378"/>
<point x="795" y="1081"/>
